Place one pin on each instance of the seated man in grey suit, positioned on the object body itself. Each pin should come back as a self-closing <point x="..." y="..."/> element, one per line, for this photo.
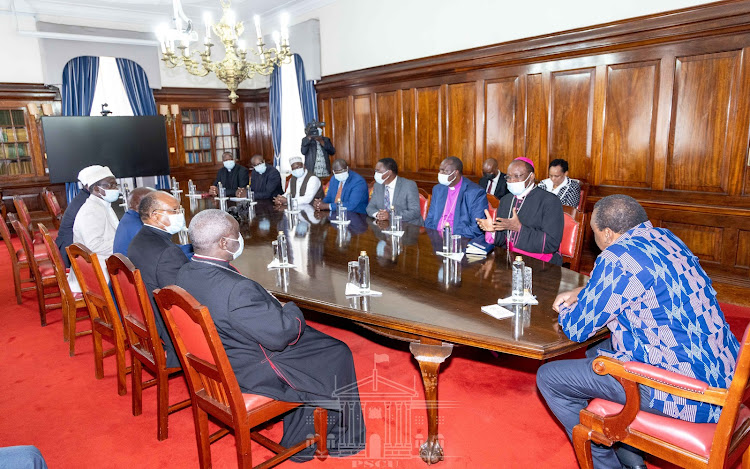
<point x="395" y="191"/>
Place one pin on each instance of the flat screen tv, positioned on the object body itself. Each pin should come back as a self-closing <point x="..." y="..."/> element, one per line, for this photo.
<point x="130" y="146"/>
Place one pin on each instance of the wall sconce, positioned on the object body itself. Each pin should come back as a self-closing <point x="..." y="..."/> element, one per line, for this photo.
<point x="169" y="117"/>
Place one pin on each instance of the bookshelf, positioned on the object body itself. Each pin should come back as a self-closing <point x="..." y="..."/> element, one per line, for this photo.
<point x="208" y="133"/>
<point x="15" y="150"/>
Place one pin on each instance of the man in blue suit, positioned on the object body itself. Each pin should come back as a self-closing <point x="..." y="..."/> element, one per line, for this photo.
<point x="456" y="201"/>
<point x="346" y="188"/>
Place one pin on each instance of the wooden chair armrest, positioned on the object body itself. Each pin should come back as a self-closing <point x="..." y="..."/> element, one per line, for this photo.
<point x="660" y="379"/>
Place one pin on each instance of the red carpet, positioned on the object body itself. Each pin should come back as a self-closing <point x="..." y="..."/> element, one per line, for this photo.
<point x="491" y="417"/>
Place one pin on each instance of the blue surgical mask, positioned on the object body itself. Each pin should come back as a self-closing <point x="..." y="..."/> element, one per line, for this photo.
<point x="517" y="188"/>
<point x="110" y="195"/>
<point x="260" y="169"/>
<point x="298" y="173"/>
<point x="229" y="165"/>
<point x="341" y="177"/>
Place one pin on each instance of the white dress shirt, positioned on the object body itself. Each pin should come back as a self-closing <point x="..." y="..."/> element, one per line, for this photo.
<point x="94" y="227"/>
<point x="312" y="188"/>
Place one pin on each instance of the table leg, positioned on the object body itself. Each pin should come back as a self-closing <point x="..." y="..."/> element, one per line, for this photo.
<point x="430" y="355"/>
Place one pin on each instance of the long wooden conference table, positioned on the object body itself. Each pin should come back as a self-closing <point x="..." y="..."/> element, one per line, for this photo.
<point x="430" y="301"/>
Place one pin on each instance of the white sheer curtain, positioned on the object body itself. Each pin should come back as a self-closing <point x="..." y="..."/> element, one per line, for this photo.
<point x="292" y="121"/>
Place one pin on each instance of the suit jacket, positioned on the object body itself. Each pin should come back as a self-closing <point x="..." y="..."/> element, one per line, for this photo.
<point x="130" y="225"/>
<point x="309" y="148"/>
<point x="65" y="233"/>
<point x="500" y="189"/>
<point x="471" y="204"/>
<point x="405" y="199"/>
<point x="238" y="177"/>
<point x="266" y="186"/>
<point x="159" y="259"/>
<point x="353" y="196"/>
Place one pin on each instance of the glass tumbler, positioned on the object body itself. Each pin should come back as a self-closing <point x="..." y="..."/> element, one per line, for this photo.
<point x="341" y="213"/>
<point x="295" y="205"/>
<point x="396" y="223"/>
<point x="275" y="245"/>
<point x="353" y="273"/>
<point x="456" y="244"/>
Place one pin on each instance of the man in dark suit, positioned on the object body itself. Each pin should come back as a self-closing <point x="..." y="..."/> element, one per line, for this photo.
<point x="232" y="176"/>
<point x="346" y="188"/>
<point x="456" y="201"/>
<point x="493" y="180"/>
<point x="156" y="256"/>
<point x="393" y="190"/>
<point x="273" y="352"/>
<point x="266" y="180"/>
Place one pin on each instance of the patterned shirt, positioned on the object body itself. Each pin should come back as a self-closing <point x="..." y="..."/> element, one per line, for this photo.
<point x="320" y="162"/>
<point x="653" y="295"/>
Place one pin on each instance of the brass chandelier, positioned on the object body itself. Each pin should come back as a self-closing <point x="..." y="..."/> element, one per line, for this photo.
<point x="234" y="68"/>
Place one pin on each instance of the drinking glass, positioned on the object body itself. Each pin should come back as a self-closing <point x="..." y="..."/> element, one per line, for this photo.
<point x="295" y="205"/>
<point x="222" y="192"/>
<point x="250" y="196"/>
<point x="353" y="273"/>
<point x="341" y="213"/>
<point x="396" y="223"/>
<point x="456" y="244"/>
<point x="275" y="245"/>
<point x="527" y="280"/>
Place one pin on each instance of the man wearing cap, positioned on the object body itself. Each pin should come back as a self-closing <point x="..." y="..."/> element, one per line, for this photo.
<point x="232" y="176"/>
<point x="303" y="186"/>
<point x="529" y="220"/>
<point x="96" y="222"/>
<point x="65" y="233"/>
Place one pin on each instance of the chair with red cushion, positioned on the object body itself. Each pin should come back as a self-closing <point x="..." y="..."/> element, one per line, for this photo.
<point x="146" y="350"/>
<point x="214" y="389"/>
<point x="72" y="303"/>
<point x="571" y="245"/>
<point x="105" y="321"/>
<point x="493" y="201"/>
<point x="686" y="444"/>
<point x="370" y="188"/>
<point x="18" y="262"/>
<point x="50" y="200"/>
<point x="43" y="273"/>
<point x="24" y="217"/>
<point x="424" y="202"/>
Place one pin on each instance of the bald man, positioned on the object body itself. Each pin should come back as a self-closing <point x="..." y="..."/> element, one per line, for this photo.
<point x="131" y="222"/>
<point x="273" y="352"/>
<point x="493" y="180"/>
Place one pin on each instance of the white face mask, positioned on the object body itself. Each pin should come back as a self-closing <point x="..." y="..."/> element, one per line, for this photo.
<point x="176" y="223"/>
<point x="110" y="195"/>
<point x="239" y="250"/>
<point x="341" y="177"/>
<point x="517" y="188"/>
<point x="260" y="169"/>
<point x="298" y="173"/>
<point x="380" y="177"/>
<point x="229" y="165"/>
<point x="445" y="179"/>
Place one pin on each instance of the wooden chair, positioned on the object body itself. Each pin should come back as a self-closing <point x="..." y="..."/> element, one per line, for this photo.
<point x="689" y="445"/>
<point x="370" y="187"/>
<point x="43" y="273"/>
<point x="105" y="320"/>
<point x="19" y="262"/>
<point x="424" y="202"/>
<point x="24" y="217"/>
<point x="214" y="389"/>
<point x="71" y="302"/>
<point x="493" y="201"/>
<point x="585" y="186"/>
<point x="571" y="245"/>
<point x="50" y="200"/>
<point x="146" y="350"/>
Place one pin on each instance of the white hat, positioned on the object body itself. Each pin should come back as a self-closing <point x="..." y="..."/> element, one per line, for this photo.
<point x="295" y="159"/>
<point x="85" y="174"/>
<point x="98" y="173"/>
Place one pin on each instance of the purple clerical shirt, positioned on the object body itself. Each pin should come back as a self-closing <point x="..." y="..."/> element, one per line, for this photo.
<point x="449" y="211"/>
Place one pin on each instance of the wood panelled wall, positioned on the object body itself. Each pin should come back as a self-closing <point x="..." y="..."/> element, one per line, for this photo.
<point x="656" y="107"/>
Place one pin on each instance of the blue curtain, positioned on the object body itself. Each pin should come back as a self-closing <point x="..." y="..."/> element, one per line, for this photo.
<point x="274" y="106"/>
<point x="78" y="85"/>
<point x="141" y="98"/>
<point x="307" y="94"/>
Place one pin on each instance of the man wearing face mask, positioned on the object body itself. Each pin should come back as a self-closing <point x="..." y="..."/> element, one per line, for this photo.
<point x="96" y="223"/>
<point x="232" y="176"/>
<point x="131" y="223"/>
<point x="529" y="220"/>
<point x="266" y="180"/>
<point x="65" y="233"/>
<point x="303" y="186"/>
<point x="271" y="349"/>
<point x="156" y="256"/>
<point x="493" y="180"/>
<point x="456" y="201"/>
<point x="347" y="188"/>
<point x="395" y="191"/>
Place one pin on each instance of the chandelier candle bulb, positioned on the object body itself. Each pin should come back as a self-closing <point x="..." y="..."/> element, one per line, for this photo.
<point x="207" y="21"/>
<point x="241" y="45"/>
<point x="256" y="19"/>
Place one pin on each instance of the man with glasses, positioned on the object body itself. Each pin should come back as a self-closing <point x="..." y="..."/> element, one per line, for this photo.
<point x="456" y="201"/>
<point x="96" y="223"/>
<point x="156" y="256"/>
<point x="529" y="220"/>
<point x="347" y="189"/>
<point x="265" y="182"/>
<point x="395" y="191"/>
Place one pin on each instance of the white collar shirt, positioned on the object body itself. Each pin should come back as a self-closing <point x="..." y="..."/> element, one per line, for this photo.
<point x="95" y="227"/>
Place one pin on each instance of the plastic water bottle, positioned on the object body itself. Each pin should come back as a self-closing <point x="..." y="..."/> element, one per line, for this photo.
<point x="364" y="271"/>
<point x="517" y="280"/>
<point x="447" y="236"/>
<point x="222" y="191"/>
<point x="283" y="255"/>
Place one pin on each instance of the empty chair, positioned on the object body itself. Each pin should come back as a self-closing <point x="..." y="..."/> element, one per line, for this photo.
<point x="214" y="389"/>
<point x="19" y="262"/>
<point x="585" y="186"/>
<point x="105" y="321"/>
<point x="72" y="303"/>
<point x="571" y="245"/>
<point x="43" y="273"/>
<point x="424" y="202"/>
<point x="146" y="349"/>
<point x="24" y="217"/>
<point x="53" y="207"/>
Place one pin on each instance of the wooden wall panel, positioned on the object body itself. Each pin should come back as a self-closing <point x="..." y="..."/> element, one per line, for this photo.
<point x="501" y="105"/>
<point x="387" y="125"/>
<point x="571" y="119"/>
<point x="340" y="127"/>
<point x="429" y="132"/>
<point x="536" y="113"/>
<point x="698" y="158"/>
<point x="409" y="131"/>
<point x="742" y="258"/>
<point x="363" y="141"/>
<point x="630" y="125"/>
<point x="704" y="241"/>
<point x="461" y="124"/>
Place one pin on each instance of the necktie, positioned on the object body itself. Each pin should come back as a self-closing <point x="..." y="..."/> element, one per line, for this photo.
<point x="387" y="198"/>
<point x="489" y="186"/>
<point x="338" y="193"/>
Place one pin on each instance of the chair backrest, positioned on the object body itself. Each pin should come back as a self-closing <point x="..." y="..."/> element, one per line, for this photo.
<point x="585" y="186"/>
<point x="572" y="240"/>
<point x="27" y="245"/>
<point x="493" y="212"/>
<point x="135" y="308"/>
<point x="5" y="233"/>
<point x="51" y="201"/>
<point x="23" y="212"/>
<point x="54" y="255"/>
<point x="424" y="206"/>
<point x="204" y="361"/>
<point x="493" y="201"/>
<point x="93" y="285"/>
<point x="370" y="188"/>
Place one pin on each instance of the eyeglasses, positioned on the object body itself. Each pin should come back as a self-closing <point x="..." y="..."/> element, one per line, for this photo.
<point x="341" y="171"/>
<point x="110" y="186"/>
<point x="173" y="211"/>
<point x="512" y="177"/>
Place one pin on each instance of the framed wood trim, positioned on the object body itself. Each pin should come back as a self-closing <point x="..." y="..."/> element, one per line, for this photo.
<point x="29" y="92"/>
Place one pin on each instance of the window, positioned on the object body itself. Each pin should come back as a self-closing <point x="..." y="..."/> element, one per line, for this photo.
<point x="15" y="155"/>
<point x="110" y="90"/>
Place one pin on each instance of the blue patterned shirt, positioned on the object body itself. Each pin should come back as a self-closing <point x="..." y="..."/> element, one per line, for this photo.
<point x="655" y="298"/>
